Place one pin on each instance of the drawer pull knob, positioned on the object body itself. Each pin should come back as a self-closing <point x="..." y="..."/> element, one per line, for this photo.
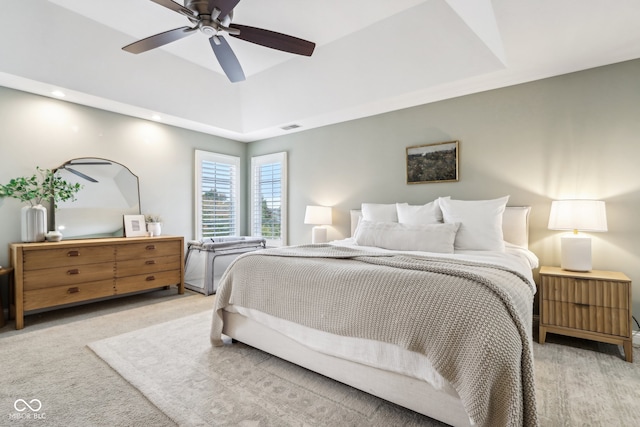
<point x="73" y="253"/>
<point x="150" y="262"/>
<point x="74" y="271"/>
<point x="73" y="290"/>
<point x="150" y="278"/>
<point x="151" y="247"/>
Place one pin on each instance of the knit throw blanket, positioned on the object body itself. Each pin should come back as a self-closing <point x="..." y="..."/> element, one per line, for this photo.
<point x="472" y="320"/>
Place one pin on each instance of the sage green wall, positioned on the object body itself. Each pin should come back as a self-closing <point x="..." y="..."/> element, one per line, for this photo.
<point x="45" y="132"/>
<point x="573" y="136"/>
<point x="569" y="136"/>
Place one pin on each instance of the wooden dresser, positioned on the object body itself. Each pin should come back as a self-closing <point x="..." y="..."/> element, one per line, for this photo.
<point x="595" y="305"/>
<point x="51" y="274"/>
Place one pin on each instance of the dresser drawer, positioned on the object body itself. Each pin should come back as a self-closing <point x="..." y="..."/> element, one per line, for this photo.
<point x="147" y="265"/>
<point x="67" y="256"/>
<point x="80" y="273"/>
<point x="147" y="281"/>
<point x="148" y="249"/>
<point x="58" y="295"/>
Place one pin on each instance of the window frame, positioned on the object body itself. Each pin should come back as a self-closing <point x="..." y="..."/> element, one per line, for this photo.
<point x="234" y="161"/>
<point x="256" y="162"/>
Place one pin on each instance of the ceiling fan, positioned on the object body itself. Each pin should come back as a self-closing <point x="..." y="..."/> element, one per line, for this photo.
<point x="213" y="17"/>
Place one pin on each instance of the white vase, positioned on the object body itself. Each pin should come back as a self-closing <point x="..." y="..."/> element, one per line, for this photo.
<point x="53" y="236"/>
<point x="154" y="228"/>
<point x="34" y="223"/>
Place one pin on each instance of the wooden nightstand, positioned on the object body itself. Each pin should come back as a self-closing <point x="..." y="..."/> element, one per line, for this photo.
<point x="594" y="305"/>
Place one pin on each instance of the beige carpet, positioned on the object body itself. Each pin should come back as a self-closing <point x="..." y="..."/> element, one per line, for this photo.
<point x="195" y="384"/>
<point x="50" y="361"/>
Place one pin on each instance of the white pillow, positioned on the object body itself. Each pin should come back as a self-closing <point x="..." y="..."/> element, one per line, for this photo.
<point x="425" y="214"/>
<point x="480" y="223"/>
<point x="406" y="237"/>
<point x="379" y="212"/>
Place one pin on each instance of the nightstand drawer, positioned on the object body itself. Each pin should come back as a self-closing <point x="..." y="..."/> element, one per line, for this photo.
<point x="604" y="320"/>
<point x="596" y="293"/>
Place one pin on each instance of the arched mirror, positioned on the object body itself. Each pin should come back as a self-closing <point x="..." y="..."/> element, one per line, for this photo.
<point x="109" y="191"/>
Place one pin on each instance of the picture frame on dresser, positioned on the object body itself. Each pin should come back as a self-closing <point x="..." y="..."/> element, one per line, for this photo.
<point x="134" y="226"/>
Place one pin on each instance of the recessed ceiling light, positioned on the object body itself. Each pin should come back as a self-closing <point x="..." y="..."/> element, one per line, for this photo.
<point x="156" y="118"/>
<point x="58" y="93"/>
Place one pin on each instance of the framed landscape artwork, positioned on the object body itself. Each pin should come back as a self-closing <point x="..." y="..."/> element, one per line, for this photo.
<point x="432" y="163"/>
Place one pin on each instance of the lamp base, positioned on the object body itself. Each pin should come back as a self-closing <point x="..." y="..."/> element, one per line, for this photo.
<point x="318" y="235"/>
<point x="576" y="253"/>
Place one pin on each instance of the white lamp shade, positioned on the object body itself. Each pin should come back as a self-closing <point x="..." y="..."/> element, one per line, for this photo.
<point x="318" y="215"/>
<point x="580" y="215"/>
<point x="577" y="215"/>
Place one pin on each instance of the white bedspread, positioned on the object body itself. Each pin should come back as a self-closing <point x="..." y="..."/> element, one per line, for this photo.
<point x="383" y="355"/>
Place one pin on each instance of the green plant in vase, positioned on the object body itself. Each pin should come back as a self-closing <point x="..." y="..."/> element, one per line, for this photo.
<point x="43" y="186"/>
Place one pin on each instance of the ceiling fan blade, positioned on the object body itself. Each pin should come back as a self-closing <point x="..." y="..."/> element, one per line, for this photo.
<point x="176" y="7"/>
<point x="274" y="40"/>
<point x="227" y="59"/>
<point x="80" y="174"/>
<point x="159" y="40"/>
<point x="224" y="6"/>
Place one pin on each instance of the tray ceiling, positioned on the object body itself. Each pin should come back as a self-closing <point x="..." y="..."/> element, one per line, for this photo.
<point x="372" y="56"/>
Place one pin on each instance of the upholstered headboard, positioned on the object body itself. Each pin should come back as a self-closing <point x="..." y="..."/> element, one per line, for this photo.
<point x="515" y="224"/>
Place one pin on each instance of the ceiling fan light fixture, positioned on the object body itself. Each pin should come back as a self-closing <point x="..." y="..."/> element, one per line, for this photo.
<point x="212" y="17"/>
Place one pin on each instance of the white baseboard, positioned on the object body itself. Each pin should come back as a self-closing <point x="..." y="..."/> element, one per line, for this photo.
<point x="636" y="337"/>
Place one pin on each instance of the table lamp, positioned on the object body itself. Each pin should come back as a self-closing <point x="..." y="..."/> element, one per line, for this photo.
<point x="319" y="216"/>
<point x="577" y="215"/>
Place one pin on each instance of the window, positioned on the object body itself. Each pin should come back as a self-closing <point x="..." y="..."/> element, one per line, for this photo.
<point x="269" y="198"/>
<point x="217" y="195"/>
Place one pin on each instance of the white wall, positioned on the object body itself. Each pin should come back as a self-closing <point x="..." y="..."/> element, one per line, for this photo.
<point x="45" y="132"/>
<point x="569" y="136"/>
<point x="573" y="136"/>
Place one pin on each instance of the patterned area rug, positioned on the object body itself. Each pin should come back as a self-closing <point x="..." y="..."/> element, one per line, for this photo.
<point x="195" y="384"/>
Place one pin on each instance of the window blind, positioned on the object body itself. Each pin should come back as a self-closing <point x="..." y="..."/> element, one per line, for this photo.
<point x="268" y="198"/>
<point x="218" y="195"/>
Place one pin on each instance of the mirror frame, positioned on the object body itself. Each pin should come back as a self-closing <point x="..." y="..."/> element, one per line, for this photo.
<point x="53" y="212"/>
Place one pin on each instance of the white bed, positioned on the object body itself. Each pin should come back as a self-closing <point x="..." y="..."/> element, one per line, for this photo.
<point x="385" y="370"/>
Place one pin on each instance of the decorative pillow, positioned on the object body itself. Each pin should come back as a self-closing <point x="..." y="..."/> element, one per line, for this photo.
<point x="480" y="223"/>
<point x="407" y="237"/>
<point x="379" y="212"/>
<point x="424" y="214"/>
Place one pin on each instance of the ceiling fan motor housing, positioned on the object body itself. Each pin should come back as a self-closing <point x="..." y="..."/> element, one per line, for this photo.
<point x="201" y="7"/>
